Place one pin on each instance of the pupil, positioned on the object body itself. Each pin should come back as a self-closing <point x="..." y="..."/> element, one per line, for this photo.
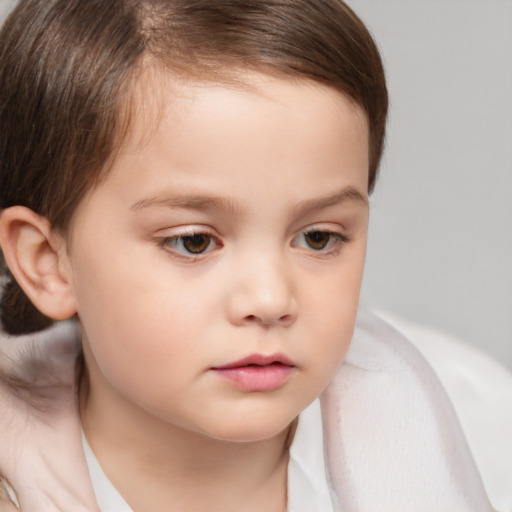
<point x="196" y="243"/>
<point x="317" y="239"/>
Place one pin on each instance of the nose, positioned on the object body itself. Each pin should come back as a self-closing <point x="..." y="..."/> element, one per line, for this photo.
<point x="263" y="293"/>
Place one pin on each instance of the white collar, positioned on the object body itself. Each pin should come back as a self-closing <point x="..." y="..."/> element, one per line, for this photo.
<point x="107" y="496"/>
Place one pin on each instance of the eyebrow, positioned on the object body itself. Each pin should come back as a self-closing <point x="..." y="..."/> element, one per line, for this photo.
<point x="206" y="203"/>
<point x="190" y="202"/>
<point x="348" y="194"/>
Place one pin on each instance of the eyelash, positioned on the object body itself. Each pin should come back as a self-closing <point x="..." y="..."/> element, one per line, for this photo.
<point x="333" y="246"/>
<point x="169" y="243"/>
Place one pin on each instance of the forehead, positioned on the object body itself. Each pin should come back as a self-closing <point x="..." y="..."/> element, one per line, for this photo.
<point x="158" y="94"/>
<point x="202" y="138"/>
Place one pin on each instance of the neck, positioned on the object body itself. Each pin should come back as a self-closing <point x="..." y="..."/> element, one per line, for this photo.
<point x="153" y="463"/>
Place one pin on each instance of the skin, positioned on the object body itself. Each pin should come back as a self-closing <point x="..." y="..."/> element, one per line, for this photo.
<point x="272" y="181"/>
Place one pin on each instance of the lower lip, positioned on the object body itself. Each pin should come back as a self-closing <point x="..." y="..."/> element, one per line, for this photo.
<point x="256" y="378"/>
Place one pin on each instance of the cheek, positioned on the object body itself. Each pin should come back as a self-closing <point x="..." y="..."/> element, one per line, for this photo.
<point x="146" y="357"/>
<point x="335" y="296"/>
<point x="141" y="317"/>
<point x="129" y="321"/>
<point x="329" y="320"/>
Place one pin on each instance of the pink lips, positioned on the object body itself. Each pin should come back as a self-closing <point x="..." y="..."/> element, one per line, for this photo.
<point x="257" y="372"/>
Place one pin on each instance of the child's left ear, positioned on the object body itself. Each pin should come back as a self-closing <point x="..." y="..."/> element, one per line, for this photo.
<point x="37" y="258"/>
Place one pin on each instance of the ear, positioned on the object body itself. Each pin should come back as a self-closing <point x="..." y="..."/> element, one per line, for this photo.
<point x="37" y="258"/>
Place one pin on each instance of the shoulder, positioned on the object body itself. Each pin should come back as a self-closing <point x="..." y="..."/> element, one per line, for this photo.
<point x="394" y="438"/>
<point x="480" y="390"/>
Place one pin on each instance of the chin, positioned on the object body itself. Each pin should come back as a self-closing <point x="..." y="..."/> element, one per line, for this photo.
<point x="250" y="431"/>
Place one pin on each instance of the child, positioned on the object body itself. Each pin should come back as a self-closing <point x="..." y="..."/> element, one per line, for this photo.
<point x="189" y="181"/>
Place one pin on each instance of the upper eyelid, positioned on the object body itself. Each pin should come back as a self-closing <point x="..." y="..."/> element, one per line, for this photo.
<point x="186" y="230"/>
<point x="324" y="227"/>
<point x="190" y="233"/>
<point x="321" y="229"/>
<point x="335" y="234"/>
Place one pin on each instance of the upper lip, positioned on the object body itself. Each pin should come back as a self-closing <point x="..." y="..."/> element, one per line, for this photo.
<point x="257" y="360"/>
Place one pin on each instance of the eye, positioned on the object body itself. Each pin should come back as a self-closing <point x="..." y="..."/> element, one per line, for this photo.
<point x="320" y="240"/>
<point x="196" y="243"/>
<point x="190" y="244"/>
<point x="317" y="240"/>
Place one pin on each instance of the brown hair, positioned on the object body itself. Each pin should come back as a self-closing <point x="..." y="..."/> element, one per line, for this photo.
<point x="67" y="68"/>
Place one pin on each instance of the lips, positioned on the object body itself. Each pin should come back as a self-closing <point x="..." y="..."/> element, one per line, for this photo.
<point x="257" y="372"/>
<point x="258" y="360"/>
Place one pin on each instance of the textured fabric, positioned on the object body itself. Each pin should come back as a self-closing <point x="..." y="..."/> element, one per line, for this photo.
<point x="480" y="389"/>
<point x="391" y="438"/>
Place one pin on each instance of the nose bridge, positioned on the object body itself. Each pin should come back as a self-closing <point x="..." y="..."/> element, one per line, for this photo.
<point x="263" y="289"/>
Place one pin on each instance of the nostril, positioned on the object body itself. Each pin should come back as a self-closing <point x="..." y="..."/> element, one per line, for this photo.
<point x="284" y="319"/>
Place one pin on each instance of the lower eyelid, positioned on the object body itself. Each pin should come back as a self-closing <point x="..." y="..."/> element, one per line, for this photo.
<point x="339" y="241"/>
<point x="341" y="238"/>
<point x="338" y="246"/>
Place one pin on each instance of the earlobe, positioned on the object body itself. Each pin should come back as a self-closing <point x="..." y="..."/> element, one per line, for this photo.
<point x="34" y="253"/>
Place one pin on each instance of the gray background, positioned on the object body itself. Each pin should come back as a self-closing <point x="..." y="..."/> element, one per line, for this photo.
<point x="5" y="5"/>
<point x="440" y="250"/>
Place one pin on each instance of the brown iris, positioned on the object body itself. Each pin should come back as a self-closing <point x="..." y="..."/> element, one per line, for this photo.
<point x="317" y="240"/>
<point x="196" y="244"/>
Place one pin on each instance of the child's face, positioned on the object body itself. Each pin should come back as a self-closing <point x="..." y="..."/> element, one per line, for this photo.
<point x="237" y="227"/>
